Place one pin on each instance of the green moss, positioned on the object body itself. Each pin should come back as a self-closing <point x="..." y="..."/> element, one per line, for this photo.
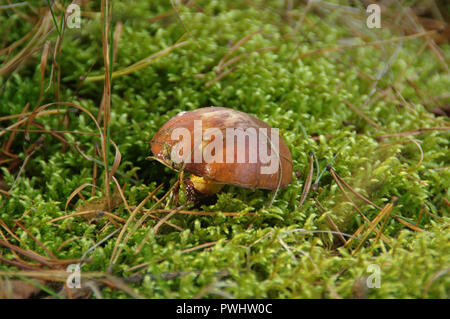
<point x="303" y="97"/>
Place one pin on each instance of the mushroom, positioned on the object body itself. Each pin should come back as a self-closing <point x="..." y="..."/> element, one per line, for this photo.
<point x="219" y="146"/>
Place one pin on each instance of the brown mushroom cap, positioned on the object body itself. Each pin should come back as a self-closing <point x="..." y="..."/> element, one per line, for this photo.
<point x="247" y="175"/>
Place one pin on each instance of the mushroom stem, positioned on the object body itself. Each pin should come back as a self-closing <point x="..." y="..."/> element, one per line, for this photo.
<point x="205" y="185"/>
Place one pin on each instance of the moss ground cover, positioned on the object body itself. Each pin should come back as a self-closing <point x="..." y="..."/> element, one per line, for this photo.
<point x="363" y="110"/>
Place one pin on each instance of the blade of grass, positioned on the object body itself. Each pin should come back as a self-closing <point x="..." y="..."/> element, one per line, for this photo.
<point x="386" y="210"/>
<point x="140" y="64"/>
<point x="308" y="181"/>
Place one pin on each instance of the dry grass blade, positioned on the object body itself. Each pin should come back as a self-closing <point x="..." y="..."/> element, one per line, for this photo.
<point x="161" y="16"/>
<point x="117" y="250"/>
<point x="44" y="56"/>
<point x="53" y="275"/>
<point x="384" y="212"/>
<point x="15" y="116"/>
<point x="9" y="231"/>
<point x="20" y="265"/>
<point x="306" y="231"/>
<point x="355" y="192"/>
<point x="49" y="253"/>
<point x="106" y="100"/>
<point x="419" y="92"/>
<point x="29" y="254"/>
<point x="409" y="225"/>
<point x="360" y="113"/>
<point x="75" y="193"/>
<point x="119" y="189"/>
<point x="155" y="230"/>
<point x="94" y="169"/>
<point x="23" y="120"/>
<point x="280" y="170"/>
<point x="429" y="39"/>
<point x="354" y="205"/>
<point x="117" y="159"/>
<point x="420" y="214"/>
<point x="87" y="212"/>
<point x="402" y="100"/>
<point x="246" y="54"/>
<point x="333" y="292"/>
<point x="117" y="36"/>
<point x="44" y="27"/>
<point x="17" y="289"/>
<point x="386" y="218"/>
<point x="221" y="76"/>
<point x="356" y="46"/>
<point x="144" y="217"/>
<point x="224" y="72"/>
<point x="419" y="163"/>
<point x="140" y="64"/>
<point x="425" y="209"/>
<point x="160" y="222"/>
<point x="308" y="181"/>
<point x="330" y="221"/>
<point x="288" y="249"/>
<point x="83" y="257"/>
<point x="98" y="278"/>
<point x="19" y="42"/>
<point x="67" y="241"/>
<point x="103" y="134"/>
<point x="56" y="133"/>
<point x="8" y="144"/>
<point x="201" y="246"/>
<point x="168" y="223"/>
<point x="22" y="167"/>
<point x="188" y="212"/>
<point x="181" y="21"/>
<point x="235" y="47"/>
<point x="205" y="245"/>
<point x="415" y="132"/>
<point x="355" y="234"/>
<point x="39" y="112"/>
<point x="92" y="281"/>
<point x="433" y="278"/>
